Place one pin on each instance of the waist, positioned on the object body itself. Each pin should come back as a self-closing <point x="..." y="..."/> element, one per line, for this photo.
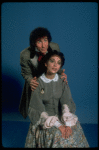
<point x="52" y="110"/>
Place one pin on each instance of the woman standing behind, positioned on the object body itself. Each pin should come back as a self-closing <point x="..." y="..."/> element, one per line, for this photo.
<point x="51" y="110"/>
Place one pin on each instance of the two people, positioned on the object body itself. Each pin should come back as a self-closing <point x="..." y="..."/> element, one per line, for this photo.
<point x="50" y="105"/>
<point x="30" y="58"/>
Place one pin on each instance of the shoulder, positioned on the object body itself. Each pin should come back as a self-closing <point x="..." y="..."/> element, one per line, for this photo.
<point x="41" y="85"/>
<point x="41" y="80"/>
<point x="54" y="46"/>
<point x="61" y="81"/>
<point x="25" y="53"/>
<point x="64" y="85"/>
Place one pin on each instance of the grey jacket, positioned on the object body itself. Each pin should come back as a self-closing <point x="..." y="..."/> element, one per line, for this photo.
<point x="29" y="68"/>
<point x="55" y="95"/>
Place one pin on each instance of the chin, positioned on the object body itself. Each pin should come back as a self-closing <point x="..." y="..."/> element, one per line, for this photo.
<point x="44" y="51"/>
<point x="53" y="72"/>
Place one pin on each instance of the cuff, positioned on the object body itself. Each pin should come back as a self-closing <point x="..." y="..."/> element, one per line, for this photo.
<point x="50" y="121"/>
<point x="57" y="124"/>
<point x="65" y="109"/>
<point x="29" y="80"/>
<point x="69" y="119"/>
<point x="43" y="117"/>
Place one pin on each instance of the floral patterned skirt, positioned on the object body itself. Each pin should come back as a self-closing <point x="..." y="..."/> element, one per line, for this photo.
<point x="52" y="138"/>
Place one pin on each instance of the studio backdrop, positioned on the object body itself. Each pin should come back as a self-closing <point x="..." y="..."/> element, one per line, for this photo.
<point x="74" y="26"/>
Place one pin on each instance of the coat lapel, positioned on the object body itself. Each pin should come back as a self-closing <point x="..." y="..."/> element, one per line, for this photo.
<point x="34" y="61"/>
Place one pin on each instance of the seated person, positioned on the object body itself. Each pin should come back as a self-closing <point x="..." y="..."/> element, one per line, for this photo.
<point x="52" y="110"/>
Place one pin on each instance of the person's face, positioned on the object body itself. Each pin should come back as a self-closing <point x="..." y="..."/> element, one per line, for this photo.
<point x="42" y="44"/>
<point x="53" y="64"/>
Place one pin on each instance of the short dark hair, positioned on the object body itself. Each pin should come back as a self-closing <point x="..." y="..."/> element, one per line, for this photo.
<point x="52" y="53"/>
<point x="38" y="33"/>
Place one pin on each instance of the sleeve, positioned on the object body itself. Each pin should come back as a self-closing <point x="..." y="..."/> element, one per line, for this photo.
<point x="37" y="113"/>
<point x="51" y="121"/>
<point x="26" y="71"/>
<point x="44" y="120"/>
<point x="68" y="107"/>
<point x="36" y="106"/>
<point x="66" y="98"/>
<point x="68" y="118"/>
<point x="57" y="124"/>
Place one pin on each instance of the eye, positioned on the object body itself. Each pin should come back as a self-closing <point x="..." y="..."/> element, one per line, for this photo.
<point x="51" y="60"/>
<point x="45" y="40"/>
<point x="39" y="41"/>
<point x="59" y="62"/>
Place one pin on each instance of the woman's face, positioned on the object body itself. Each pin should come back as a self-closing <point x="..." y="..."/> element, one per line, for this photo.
<point x="42" y="44"/>
<point x="53" y="64"/>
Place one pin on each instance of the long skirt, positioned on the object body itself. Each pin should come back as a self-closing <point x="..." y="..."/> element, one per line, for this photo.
<point x="52" y="138"/>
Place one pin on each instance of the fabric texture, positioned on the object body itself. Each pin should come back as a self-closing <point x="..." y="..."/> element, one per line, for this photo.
<point x="50" y="97"/>
<point x="51" y="101"/>
<point x="29" y="69"/>
<point x="52" y="138"/>
<point x="68" y="118"/>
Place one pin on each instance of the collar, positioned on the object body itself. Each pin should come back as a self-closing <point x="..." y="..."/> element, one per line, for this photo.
<point x="36" y="50"/>
<point x="46" y="80"/>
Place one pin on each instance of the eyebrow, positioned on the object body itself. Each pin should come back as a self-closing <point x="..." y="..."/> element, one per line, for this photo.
<point x="38" y="39"/>
<point x="41" y="38"/>
<point x="45" y="38"/>
<point x="54" y="59"/>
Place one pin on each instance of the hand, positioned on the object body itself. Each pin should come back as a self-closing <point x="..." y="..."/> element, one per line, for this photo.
<point x="64" y="76"/>
<point x="34" y="83"/>
<point x="66" y="131"/>
<point x="62" y="129"/>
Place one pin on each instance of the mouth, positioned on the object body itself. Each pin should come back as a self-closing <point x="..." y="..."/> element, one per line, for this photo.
<point x="55" y="69"/>
<point x="44" y="49"/>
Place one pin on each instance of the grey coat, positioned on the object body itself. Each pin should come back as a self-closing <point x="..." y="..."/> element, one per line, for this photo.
<point x="29" y="68"/>
<point x="54" y="96"/>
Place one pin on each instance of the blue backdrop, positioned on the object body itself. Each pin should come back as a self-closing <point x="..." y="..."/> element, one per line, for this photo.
<point x="74" y="26"/>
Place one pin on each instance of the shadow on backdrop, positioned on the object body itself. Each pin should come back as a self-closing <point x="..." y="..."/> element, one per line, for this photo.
<point x="11" y="92"/>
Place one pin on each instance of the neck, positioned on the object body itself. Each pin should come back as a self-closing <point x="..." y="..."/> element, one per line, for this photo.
<point x="49" y="75"/>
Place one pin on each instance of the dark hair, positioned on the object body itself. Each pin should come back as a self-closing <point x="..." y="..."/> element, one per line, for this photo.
<point x="52" y="53"/>
<point x="41" y="65"/>
<point x="38" y="33"/>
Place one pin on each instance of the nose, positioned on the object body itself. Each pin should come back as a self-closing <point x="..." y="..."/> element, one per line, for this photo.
<point x="55" y="64"/>
<point x="43" y="44"/>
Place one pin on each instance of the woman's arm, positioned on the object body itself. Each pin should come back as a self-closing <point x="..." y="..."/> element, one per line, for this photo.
<point x="66" y="98"/>
<point x="68" y="108"/>
<point x="37" y="111"/>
